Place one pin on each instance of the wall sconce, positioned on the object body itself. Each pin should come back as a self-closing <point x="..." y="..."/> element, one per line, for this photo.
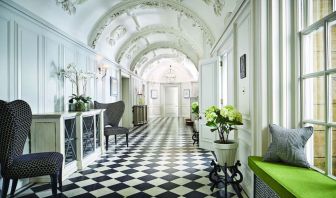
<point x="102" y="70"/>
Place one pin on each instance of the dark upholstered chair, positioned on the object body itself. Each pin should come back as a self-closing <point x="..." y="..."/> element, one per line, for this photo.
<point x="112" y="117"/>
<point x="15" y="121"/>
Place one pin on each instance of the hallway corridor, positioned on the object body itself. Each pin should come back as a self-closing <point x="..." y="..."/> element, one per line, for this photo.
<point x="161" y="161"/>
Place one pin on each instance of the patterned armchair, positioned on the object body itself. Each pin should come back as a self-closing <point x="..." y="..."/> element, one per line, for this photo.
<point x="15" y="121"/>
<point x="112" y="117"/>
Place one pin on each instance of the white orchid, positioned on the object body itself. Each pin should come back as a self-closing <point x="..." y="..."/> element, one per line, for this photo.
<point x="75" y="76"/>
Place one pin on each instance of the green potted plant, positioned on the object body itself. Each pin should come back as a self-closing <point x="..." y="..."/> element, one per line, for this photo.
<point x="195" y="111"/>
<point x="77" y="101"/>
<point x="222" y="121"/>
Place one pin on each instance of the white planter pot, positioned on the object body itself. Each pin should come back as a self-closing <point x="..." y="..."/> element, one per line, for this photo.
<point x="226" y="153"/>
<point x="196" y="125"/>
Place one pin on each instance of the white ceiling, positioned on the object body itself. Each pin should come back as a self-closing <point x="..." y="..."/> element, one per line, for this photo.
<point x="138" y="33"/>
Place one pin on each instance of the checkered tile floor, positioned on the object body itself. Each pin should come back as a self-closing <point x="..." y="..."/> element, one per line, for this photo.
<point x="161" y="161"/>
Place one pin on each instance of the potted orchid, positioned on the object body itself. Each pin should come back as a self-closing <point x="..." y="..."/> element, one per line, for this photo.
<point x="79" y="78"/>
<point x="223" y="121"/>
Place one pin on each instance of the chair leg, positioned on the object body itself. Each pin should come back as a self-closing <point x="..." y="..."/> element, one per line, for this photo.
<point x="14" y="183"/>
<point x="53" y="178"/>
<point x="60" y="185"/>
<point x="5" y="185"/>
<point x="127" y="139"/>
<point x="115" y="140"/>
<point x="107" y="140"/>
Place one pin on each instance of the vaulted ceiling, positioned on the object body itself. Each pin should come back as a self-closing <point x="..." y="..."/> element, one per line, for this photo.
<point x="142" y="35"/>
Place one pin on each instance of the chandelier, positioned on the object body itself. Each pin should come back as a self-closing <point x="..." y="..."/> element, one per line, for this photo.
<point x="171" y="77"/>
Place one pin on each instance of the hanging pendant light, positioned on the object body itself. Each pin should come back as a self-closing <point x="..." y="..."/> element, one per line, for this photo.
<point x="171" y="76"/>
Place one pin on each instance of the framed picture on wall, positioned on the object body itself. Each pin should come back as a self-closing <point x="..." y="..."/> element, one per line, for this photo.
<point x="113" y="86"/>
<point x="243" y="66"/>
<point x="154" y="93"/>
<point x="186" y="93"/>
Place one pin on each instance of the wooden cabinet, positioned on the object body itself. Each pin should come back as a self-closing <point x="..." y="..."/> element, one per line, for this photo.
<point x="77" y="135"/>
<point x="139" y="114"/>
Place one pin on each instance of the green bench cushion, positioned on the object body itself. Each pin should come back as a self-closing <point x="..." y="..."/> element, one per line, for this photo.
<point x="290" y="181"/>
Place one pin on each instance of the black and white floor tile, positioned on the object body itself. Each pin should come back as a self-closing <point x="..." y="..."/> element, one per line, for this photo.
<point x="161" y="161"/>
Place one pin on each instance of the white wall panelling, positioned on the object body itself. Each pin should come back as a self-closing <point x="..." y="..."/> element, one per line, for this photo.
<point x="156" y="105"/>
<point x="32" y="52"/>
<point x="235" y="42"/>
<point x="5" y="72"/>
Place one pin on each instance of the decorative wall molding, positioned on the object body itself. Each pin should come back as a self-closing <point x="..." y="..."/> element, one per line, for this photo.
<point x="156" y="29"/>
<point x="164" y="45"/>
<point x="69" y="5"/>
<point x="126" y="6"/>
<point x="116" y="34"/>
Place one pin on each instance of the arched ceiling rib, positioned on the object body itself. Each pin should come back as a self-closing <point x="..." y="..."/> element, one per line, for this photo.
<point x="127" y="6"/>
<point x="156" y="29"/>
<point x="160" y="45"/>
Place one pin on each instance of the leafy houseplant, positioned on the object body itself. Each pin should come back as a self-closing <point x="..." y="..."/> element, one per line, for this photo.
<point x="79" y="78"/>
<point x="223" y="120"/>
<point x="195" y="109"/>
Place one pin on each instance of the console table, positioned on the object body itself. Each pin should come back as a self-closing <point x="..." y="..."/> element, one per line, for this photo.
<point x="77" y="135"/>
<point x="139" y="114"/>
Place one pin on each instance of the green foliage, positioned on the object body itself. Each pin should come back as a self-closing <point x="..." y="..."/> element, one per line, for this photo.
<point x="195" y="109"/>
<point x="222" y="120"/>
<point x="81" y="98"/>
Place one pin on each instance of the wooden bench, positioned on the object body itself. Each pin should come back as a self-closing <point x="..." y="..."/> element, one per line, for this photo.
<point x="281" y="180"/>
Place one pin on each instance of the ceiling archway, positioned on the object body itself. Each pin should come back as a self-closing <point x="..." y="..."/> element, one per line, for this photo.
<point x="156" y="29"/>
<point x="142" y="67"/>
<point x="126" y="6"/>
<point x="160" y="45"/>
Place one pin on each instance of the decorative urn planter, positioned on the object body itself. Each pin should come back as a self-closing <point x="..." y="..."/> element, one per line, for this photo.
<point x="79" y="106"/>
<point x="226" y="153"/>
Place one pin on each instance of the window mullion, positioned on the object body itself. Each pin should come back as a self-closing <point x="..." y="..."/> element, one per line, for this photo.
<point x="327" y="101"/>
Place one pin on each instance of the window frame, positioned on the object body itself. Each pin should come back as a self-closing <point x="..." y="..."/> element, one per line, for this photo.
<point x="305" y="29"/>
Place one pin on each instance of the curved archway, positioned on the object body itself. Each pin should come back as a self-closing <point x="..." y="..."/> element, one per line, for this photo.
<point x="123" y="7"/>
<point x="155" y="29"/>
<point x="192" y="56"/>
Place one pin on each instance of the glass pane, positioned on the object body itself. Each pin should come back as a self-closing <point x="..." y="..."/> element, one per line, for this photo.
<point x="317" y="149"/>
<point x="313" y="52"/>
<point x="332" y="44"/>
<point x="313" y="99"/>
<point x="319" y="9"/>
<point x="332" y="113"/>
<point x="334" y="151"/>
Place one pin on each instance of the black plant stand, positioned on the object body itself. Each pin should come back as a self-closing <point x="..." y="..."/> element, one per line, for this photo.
<point x="234" y="178"/>
<point x="195" y="136"/>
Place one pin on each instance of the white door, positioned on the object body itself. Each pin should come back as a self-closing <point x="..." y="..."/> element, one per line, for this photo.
<point x="209" y="95"/>
<point x="171" y="102"/>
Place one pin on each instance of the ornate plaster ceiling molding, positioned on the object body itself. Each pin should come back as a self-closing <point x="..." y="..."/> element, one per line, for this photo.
<point x="156" y="29"/>
<point x="164" y="45"/>
<point x="217" y="5"/>
<point x="143" y="66"/>
<point x="128" y="5"/>
<point x="116" y="34"/>
<point x="69" y="5"/>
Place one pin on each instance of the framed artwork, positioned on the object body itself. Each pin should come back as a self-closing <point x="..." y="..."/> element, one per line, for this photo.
<point x="243" y="66"/>
<point x="154" y="93"/>
<point x="113" y="86"/>
<point x="186" y="93"/>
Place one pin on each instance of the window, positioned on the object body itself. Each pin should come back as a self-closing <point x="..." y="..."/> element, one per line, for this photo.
<point x="318" y="81"/>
